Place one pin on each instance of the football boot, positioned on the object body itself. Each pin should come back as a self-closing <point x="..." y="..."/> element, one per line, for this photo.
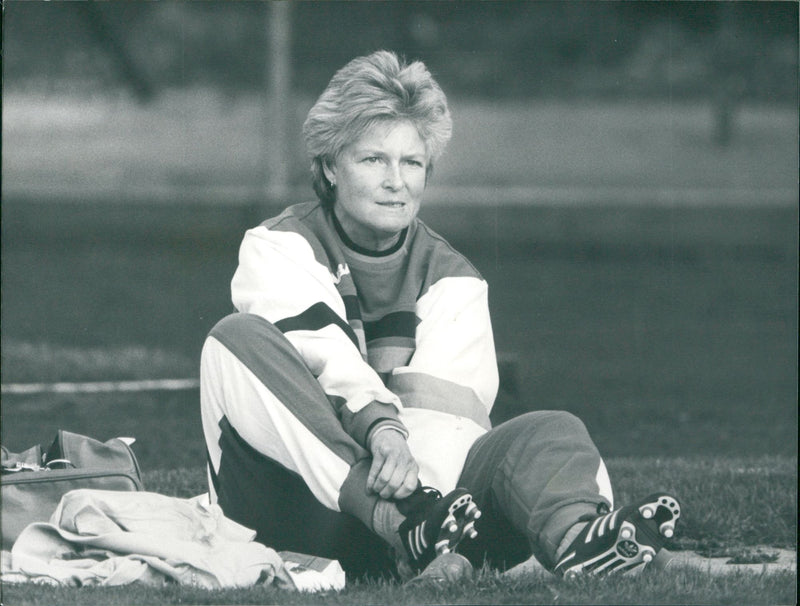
<point x="435" y="524"/>
<point x="621" y="541"/>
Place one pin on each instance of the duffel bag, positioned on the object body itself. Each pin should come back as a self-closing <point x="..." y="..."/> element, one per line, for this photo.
<point x="33" y="481"/>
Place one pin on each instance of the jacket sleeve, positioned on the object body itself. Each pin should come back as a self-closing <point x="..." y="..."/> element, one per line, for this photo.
<point x="279" y="279"/>
<point x="454" y="367"/>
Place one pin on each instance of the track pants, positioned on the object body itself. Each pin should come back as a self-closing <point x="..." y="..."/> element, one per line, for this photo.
<point x="280" y="462"/>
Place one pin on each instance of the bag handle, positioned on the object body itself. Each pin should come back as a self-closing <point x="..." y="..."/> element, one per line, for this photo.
<point x="59" y="464"/>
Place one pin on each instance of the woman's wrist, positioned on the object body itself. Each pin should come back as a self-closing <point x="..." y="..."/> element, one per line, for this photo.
<point x="381" y="426"/>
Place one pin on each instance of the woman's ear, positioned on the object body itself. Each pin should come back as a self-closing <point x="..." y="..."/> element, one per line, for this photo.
<point x="329" y="168"/>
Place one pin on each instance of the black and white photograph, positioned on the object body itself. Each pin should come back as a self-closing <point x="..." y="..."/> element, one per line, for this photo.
<point x="399" y="302"/>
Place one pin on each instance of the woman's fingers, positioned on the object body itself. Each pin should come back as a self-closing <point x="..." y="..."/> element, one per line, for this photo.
<point x="409" y="484"/>
<point x="393" y="473"/>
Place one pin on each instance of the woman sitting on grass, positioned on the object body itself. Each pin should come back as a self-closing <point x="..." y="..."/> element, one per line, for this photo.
<point x="349" y="397"/>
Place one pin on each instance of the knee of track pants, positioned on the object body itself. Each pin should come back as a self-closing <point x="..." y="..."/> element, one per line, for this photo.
<point x="568" y="423"/>
<point x="238" y="323"/>
<point x="565" y="422"/>
<point x="252" y="337"/>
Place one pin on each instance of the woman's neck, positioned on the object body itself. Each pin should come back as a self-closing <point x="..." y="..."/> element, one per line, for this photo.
<point x="372" y="246"/>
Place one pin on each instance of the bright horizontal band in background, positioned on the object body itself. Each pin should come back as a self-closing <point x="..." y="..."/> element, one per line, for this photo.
<point x="100" y="387"/>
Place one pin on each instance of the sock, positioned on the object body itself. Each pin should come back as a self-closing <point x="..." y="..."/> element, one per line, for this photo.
<point x="571" y="534"/>
<point x="386" y="520"/>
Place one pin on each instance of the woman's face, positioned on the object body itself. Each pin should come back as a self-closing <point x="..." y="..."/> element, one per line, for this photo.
<point x="379" y="181"/>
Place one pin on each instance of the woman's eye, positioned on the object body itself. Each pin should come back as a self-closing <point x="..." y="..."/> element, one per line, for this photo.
<point x="372" y="159"/>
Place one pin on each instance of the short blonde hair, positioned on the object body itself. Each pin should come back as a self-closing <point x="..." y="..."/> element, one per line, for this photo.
<point x="370" y="89"/>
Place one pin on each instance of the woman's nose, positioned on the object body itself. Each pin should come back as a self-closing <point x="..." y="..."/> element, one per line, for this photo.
<point x="393" y="179"/>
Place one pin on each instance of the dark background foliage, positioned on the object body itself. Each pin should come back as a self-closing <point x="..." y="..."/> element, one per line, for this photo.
<point x="497" y="49"/>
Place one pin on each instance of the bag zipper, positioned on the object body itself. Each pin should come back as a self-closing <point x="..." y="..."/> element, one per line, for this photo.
<point x="57" y="475"/>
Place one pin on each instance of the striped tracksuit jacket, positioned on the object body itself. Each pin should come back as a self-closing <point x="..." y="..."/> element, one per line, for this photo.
<point x="331" y="342"/>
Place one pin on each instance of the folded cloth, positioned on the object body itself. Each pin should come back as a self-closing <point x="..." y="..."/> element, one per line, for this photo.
<point x="101" y="537"/>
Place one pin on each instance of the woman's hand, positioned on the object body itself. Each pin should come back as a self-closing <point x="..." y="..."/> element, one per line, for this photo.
<point x="394" y="472"/>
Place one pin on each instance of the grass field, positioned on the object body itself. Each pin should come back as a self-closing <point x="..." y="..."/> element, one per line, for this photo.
<point x="681" y="587"/>
<point x="734" y="506"/>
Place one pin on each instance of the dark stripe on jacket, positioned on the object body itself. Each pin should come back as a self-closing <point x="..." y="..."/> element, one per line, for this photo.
<point x="316" y="317"/>
<point x="351" y="307"/>
<point x="397" y="324"/>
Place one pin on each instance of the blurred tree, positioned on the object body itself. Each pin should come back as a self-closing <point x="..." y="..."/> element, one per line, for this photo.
<point x="110" y="39"/>
<point x="499" y="48"/>
<point x="729" y="80"/>
<point x="278" y="24"/>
